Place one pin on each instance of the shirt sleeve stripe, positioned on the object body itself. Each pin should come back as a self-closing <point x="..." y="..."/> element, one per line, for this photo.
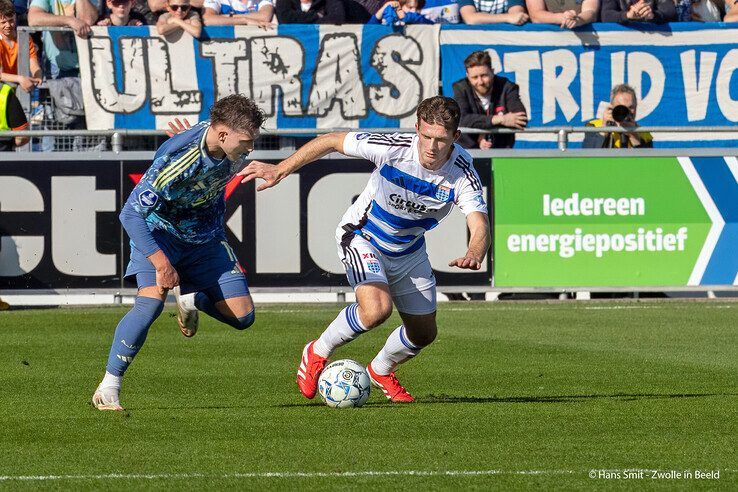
<point x="179" y="170"/>
<point x="175" y="166"/>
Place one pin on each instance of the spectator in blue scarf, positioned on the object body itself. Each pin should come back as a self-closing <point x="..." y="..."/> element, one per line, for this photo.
<point x="399" y="13"/>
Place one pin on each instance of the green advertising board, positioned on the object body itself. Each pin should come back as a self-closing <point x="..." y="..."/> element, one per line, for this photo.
<point x="611" y="221"/>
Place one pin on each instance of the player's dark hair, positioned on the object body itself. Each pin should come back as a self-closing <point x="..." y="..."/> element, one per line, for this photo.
<point x="478" y="59"/>
<point x="440" y="110"/>
<point x="7" y="10"/>
<point x="237" y="112"/>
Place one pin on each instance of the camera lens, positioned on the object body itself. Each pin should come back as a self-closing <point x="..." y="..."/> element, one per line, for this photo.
<point x="620" y="113"/>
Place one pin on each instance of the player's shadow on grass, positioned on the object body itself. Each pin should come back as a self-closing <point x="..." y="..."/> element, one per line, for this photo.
<point x="525" y="399"/>
<point x="562" y="398"/>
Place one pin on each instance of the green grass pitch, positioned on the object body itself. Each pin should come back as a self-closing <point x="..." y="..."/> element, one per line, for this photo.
<point x="511" y="395"/>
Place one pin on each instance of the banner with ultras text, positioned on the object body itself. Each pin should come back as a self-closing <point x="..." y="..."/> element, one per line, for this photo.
<point x="301" y="76"/>
<point x="615" y="221"/>
<point x="353" y="76"/>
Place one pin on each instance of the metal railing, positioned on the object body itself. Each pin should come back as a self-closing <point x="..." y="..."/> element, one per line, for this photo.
<point x="562" y="133"/>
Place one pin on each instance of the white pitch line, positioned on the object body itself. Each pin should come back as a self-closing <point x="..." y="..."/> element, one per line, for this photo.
<point x="586" y="308"/>
<point x="547" y="307"/>
<point x="349" y="474"/>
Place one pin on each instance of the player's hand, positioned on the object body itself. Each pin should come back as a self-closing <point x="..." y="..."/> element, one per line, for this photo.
<point x="468" y="262"/>
<point x="177" y="126"/>
<point x="270" y="173"/>
<point x="166" y="278"/>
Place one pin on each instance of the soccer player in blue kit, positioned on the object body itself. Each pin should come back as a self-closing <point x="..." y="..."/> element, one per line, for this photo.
<point x="175" y="219"/>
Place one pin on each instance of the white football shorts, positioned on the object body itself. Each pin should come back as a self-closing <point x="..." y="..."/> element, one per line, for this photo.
<point x="410" y="277"/>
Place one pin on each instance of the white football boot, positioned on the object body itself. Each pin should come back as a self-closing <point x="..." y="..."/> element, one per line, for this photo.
<point x="107" y="399"/>
<point x="187" y="315"/>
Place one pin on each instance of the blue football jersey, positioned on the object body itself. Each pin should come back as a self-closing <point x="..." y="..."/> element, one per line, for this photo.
<point x="183" y="192"/>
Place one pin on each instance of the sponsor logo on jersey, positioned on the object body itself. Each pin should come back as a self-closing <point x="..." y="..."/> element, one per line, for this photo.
<point x="442" y="193"/>
<point x="373" y="266"/>
<point x="399" y="203"/>
<point x="362" y="136"/>
<point x="148" y="198"/>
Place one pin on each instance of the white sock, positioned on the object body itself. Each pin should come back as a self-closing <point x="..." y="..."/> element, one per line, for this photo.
<point x="111" y="381"/>
<point x="397" y="349"/>
<point x="346" y="327"/>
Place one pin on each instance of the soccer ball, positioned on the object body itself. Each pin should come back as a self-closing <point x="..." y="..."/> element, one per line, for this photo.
<point x="343" y="384"/>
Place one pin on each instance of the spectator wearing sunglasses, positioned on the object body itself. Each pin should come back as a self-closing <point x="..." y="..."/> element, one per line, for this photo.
<point x="119" y="14"/>
<point x="179" y="17"/>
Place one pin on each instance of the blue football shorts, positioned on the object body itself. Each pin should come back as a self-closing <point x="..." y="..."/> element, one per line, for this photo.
<point x="211" y="267"/>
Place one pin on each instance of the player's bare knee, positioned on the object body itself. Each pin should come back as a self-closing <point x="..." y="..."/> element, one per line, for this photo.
<point x="243" y="322"/>
<point x="375" y="313"/>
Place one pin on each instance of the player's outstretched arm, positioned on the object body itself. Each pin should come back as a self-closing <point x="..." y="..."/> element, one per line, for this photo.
<point x="479" y="242"/>
<point x="312" y="151"/>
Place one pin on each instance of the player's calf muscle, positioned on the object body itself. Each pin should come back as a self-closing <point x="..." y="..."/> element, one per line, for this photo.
<point x="422" y="337"/>
<point x="421" y="329"/>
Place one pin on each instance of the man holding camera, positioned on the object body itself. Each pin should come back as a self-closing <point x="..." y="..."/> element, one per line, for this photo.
<point x="620" y="112"/>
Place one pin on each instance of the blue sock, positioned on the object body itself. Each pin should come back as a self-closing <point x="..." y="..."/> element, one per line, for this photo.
<point x="206" y="305"/>
<point x="131" y="333"/>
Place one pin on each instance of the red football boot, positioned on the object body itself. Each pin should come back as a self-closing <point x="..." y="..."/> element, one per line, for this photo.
<point x="311" y="365"/>
<point x="390" y="386"/>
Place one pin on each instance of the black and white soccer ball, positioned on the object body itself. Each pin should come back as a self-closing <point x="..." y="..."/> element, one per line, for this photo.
<point x="344" y="384"/>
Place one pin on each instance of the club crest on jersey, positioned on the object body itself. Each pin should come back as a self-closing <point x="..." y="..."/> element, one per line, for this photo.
<point x="442" y="193"/>
<point x="373" y="266"/>
<point x="148" y="198"/>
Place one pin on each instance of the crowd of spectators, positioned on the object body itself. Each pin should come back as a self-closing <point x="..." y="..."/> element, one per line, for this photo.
<point x="54" y="55"/>
<point x="172" y="17"/>
<point x="80" y="15"/>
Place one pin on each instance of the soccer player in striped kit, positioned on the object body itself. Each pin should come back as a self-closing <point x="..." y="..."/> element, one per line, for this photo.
<point x="175" y="220"/>
<point x="418" y="180"/>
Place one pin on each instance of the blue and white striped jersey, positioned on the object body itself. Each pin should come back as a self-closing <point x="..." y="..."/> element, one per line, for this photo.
<point x="183" y="192"/>
<point x="403" y="199"/>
